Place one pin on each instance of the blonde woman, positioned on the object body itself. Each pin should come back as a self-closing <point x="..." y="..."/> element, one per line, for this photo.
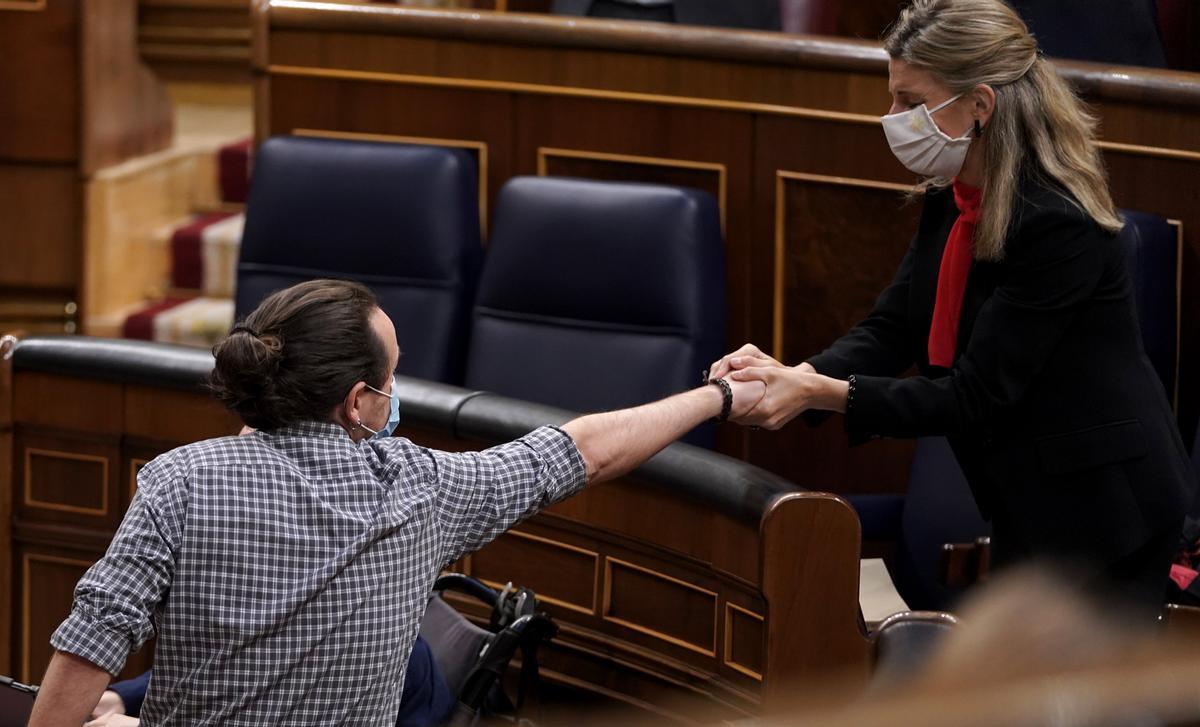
<point x="1014" y="303"/>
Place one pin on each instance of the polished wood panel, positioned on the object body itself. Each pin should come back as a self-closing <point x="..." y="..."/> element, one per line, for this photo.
<point x="47" y="586"/>
<point x="173" y="416"/>
<point x="66" y="481"/>
<point x="632" y="595"/>
<point x="67" y="478"/>
<point x="40" y="206"/>
<point x="59" y="403"/>
<point x="196" y="40"/>
<point x="743" y="641"/>
<point x="561" y="574"/>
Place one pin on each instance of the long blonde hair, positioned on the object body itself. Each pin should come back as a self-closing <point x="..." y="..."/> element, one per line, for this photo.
<point x="1038" y="124"/>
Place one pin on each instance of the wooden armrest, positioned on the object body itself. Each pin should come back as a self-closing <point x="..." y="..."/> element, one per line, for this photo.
<point x="964" y="564"/>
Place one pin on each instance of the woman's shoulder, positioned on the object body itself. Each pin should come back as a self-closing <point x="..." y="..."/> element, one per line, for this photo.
<point x="1046" y="214"/>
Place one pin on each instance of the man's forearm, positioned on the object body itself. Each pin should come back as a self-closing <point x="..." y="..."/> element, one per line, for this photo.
<point x="615" y="442"/>
<point x="69" y="692"/>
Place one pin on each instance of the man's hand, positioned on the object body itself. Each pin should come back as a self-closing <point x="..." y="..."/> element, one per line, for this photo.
<point x="110" y="703"/>
<point x="114" y="720"/>
<point x="790" y="392"/>
<point x="745" y="357"/>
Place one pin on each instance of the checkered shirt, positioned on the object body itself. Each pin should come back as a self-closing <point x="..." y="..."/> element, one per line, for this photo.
<point x="286" y="573"/>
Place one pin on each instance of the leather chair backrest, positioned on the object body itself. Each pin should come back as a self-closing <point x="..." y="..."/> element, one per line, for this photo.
<point x="599" y="295"/>
<point x="403" y="220"/>
<point x="903" y="644"/>
<point x="939" y="508"/>
<point x="1152" y="252"/>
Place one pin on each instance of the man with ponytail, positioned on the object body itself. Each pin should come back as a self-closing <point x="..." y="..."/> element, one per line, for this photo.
<point x="1014" y="303"/>
<point x="285" y="572"/>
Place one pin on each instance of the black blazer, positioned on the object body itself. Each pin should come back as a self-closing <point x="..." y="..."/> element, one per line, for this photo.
<point x="761" y="14"/>
<point x="1055" y="414"/>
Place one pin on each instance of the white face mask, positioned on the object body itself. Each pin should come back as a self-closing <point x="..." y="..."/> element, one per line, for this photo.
<point x="921" y="146"/>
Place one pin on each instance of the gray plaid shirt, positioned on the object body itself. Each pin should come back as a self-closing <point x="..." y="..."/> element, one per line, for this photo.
<point x="287" y="572"/>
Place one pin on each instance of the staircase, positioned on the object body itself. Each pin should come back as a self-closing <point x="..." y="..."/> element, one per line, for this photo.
<point x="196" y="308"/>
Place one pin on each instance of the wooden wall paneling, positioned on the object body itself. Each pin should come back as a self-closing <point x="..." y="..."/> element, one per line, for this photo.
<point x="482" y="123"/>
<point x="67" y="479"/>
<point x="39" y="239"/>
<point x="125" y="108"/>
<point x="167" y="416"/>
<point x="196" y="40"/>
<point x="630" y="510"/>
<point x="48" y="578"/>
<point x="816" y="270"/>
<point x="635" y="596"/>
<point x="744" y="639"/>
<point x="561" y="573"/>
<point x="64" y="404"/>
<point x="40" y="83"/>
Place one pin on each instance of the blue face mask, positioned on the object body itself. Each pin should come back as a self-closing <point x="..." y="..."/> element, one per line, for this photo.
<point x="393" y="418"/>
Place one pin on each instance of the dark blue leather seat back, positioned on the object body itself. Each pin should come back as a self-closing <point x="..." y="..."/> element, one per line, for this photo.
<point x="598" y="295"/>
<point x="939" y="507"/>
<point x="1152" y="249"/>
<point x="403" y="220"/>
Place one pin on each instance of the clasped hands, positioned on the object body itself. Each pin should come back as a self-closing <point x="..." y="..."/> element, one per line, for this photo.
<point x="785" y="391"/>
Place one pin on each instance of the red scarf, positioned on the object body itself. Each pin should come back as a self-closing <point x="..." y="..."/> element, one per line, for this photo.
<point x="952" y="277"/>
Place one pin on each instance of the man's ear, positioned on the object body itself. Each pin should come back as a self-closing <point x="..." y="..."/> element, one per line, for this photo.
<point x="349" y="408"/>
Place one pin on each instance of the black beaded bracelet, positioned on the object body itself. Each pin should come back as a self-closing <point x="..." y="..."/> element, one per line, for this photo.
<point x="726" y="399"/>
<point x="850" y="392"/>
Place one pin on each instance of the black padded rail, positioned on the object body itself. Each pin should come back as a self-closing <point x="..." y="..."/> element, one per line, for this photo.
<point x="731" y="486"/>
<point x="118" y="360"/>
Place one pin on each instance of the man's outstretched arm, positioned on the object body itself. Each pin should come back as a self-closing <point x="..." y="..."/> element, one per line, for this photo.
<point x="482" y="494"/>
<point x="613" y="443"/>
<point x="70" y="690"/>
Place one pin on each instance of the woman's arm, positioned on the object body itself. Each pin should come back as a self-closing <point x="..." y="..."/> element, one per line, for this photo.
<point x="1054" y="267"/>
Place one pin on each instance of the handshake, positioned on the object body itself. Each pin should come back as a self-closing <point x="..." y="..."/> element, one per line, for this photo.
<point x="768" y="394"/>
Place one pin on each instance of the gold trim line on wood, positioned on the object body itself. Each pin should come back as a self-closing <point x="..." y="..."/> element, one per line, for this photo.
<point x="595" y="556"/>
<point x="1150" y="151"/>
<point x="548" y="599"/>
<point x="781" y="179"/>
<point x="543" y="153"/>
<point x="747" y="671"/>
<point x="546" y="90"/>
<point x="24" y="6"/>
<point x="27" y="601"/>
<point x="479" y="146"/>
<point x="30" y="502"/>
<point x="606" y="606"/>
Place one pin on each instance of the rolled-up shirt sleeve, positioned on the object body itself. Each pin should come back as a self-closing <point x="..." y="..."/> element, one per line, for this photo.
<point x="115" y="600"/>
<point x="482" y="494"/>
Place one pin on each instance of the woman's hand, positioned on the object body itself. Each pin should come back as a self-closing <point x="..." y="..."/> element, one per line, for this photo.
<point x="745" y="357"/>
<point x="110" y="703"/>
<point x="790" y="392"/>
